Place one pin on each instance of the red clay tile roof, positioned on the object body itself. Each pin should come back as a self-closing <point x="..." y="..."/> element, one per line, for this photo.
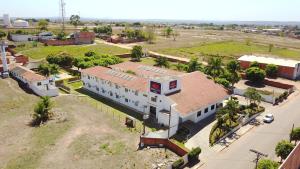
<point x="28" y="74"/>
<point x="120" y="78"/>
<point x="197" y="92"/>
<point x="145" y="70"/>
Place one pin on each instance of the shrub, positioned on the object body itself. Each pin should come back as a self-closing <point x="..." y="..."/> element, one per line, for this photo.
<point x="283" y="149"/>
<point x="267" y="164"/>
<point x="271" y="70"/>
<point x="254" y="64"/>
<point x="194" y="154"/>
<point x="242" y="107"/>
<point x="178" y="163"/>
<point x="137" y="53"/>
<point x="255" y="74"/>
<point x="223" y="82"/>
<point x="90" y="53"/>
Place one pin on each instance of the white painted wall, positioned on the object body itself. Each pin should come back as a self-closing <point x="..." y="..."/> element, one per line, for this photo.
<point x="22" y="38"/>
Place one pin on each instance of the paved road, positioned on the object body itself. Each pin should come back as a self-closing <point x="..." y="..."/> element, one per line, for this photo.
<point x="263" y="138"/>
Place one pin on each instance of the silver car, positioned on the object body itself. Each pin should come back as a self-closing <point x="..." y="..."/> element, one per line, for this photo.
<point x="268" y="118"/>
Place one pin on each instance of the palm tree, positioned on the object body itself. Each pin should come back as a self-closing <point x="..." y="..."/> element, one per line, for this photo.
<point x="162" y="62"/>
<point x="42" y="111"/>
<point x="214" y="67"/>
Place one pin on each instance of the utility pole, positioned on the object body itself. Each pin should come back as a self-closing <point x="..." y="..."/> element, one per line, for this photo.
<point x="169" y="122"/>
<point x="62" y="11"/>
<point x="291" y="132"/>
<point x="258" y="156"/>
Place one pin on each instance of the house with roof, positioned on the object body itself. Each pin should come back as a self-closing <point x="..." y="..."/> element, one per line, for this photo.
<point x="40" y="85"/>
<point x="167" y="96"/>
<point x="287" y="68"/>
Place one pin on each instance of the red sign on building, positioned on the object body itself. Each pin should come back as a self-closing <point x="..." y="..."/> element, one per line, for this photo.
<point x="173" y="85"/>
<point x="155" y="87"/>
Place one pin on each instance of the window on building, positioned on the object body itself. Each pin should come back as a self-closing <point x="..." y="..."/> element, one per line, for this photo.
<point x="212" y="107"/>
<point x="126" y="90"/>
<point x="117" y="86"/>
<point x="103" y="91"/>
<point x="136" y="93"/>
<point x="126" y="100"/>
<point x="136" y="103"/>
<point x="39" y="83"/>
<point x="89" y="85"/>
<point x="153" y="99"/>
<point x="97" y="88"/>
<point x="117" y="96"/>
<point x="89" y="77"/>
<point x="199" y="113"/>
<point x="111" y="94"/>
<point x="206" y="110"/>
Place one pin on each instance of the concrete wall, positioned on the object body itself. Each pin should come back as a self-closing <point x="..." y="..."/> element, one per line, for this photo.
<point x="21" y="38"/>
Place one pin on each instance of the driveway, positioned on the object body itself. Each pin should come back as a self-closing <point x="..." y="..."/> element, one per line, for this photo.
<point x="262" y="138"/>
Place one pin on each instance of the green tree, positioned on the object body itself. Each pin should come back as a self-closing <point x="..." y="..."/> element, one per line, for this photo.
<point x="224" y="82"/>
<point x="283" y="149"/>
<point x="103" y="30"/>
<point x="254" y="64"/>
<point x="253" y="95"/>
<point x="181" y="66"/>
<point x="90" y="53"/>
<point x="255" y="75"/>
<point x="75" y="20"/>
<point x="2" y="34"/>
<point x="168" y="31"/>
<point x="48" y="69"/>
<point x="150" y="35"/>
<point x="42" y="111"/>
<point x="271" y="46"/>
<point x="233" y="66"/>
<point x="136" y="53"/>
<point x="267" y="164"/>
<point x="193" y="65"/>
<point x="214" y="67"/>
<point x="271" y="70"/>
<point x="295" y="135"/>
<point x="85" y="29"/>
<point x="162" y="62"/>
<point x="43" y="24"/>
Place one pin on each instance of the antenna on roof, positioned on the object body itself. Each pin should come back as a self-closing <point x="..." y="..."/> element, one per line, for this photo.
<point x="62" y="12"/>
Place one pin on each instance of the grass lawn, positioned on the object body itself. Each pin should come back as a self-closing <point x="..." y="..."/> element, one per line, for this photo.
<point x="41" y="51"/>
<point x="229" y="49"/>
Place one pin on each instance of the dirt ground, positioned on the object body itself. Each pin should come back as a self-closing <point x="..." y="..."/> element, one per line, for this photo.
<point x="79" y="136"/>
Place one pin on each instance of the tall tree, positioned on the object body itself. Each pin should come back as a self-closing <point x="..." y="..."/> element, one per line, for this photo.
<point x="283" y="149"/>
<point x="168" y="31"/>
<point x="214" y="67"/>
<point x="233" y="68"/>
<point x="193" y="65"/>
<point x="136" y="53"/>
<point x="2" y="34"/>
<point x="75" y="20"/>
<point x="295" y="134"/>
<point x="43" y="24"/>
<point x="253" y="96"/>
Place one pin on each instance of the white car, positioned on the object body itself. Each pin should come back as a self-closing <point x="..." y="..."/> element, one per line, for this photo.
<point x="268" y="118"/>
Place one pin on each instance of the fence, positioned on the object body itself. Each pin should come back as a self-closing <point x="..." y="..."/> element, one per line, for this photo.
<point x="112" y="112"/>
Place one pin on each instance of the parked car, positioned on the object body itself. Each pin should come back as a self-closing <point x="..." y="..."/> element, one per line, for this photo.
<point x="268" y="118"/>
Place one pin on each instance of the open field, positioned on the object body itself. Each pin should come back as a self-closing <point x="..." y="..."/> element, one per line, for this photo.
<point x="79" y="135"/>
<point x="41" y="51"/>
<point x="225" y="43"/>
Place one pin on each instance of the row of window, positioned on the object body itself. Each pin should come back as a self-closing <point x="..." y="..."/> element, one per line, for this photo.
<point x="206" y="110"/>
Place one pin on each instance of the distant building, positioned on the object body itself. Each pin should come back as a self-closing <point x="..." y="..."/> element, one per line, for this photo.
<point x="6" y="20"/>
<point x="41" y="85"/>
<point x="163" y="94"/>
<point x="289" y="69"/>
<point x="20" y="24"/>
<point x="22" y="37"/>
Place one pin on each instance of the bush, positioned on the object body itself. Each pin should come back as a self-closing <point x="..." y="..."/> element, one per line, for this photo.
<point x="62" y="59"/>
<point x="223" y="82"/>
<point x="137" y="53"/>
<point x="271" y="70"/>
<point x="242" y="107"/>
<point x="254" y="64"/>
<point x="178" y="163"/>
<point x="267" y="164"/>
<point x="255" y="74"/>
<point x="194" y="154"/>
<point x="90" y="53"/>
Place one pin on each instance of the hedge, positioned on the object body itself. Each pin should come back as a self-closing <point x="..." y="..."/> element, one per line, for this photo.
<point x="178" y="163"/>
<point x="194" y="154"/>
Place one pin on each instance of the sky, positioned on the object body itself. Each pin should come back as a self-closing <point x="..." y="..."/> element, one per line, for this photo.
<point x="215" y="10"/>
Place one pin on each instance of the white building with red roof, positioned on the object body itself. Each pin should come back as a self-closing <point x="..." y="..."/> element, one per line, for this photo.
<point x="161" y="93"/>
<point x="40" y="85"/>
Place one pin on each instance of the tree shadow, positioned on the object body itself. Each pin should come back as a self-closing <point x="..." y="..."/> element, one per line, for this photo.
<point x="255" y="85"/>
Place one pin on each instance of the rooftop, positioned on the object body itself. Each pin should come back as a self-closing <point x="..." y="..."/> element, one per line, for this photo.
<point x="197" y="92"/>
<point x="27" y="74"/>
<point x="270" y="60"/>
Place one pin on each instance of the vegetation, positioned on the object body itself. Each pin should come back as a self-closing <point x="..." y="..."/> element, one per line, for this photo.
<point x="178" y="163"/>
<point x="62" y="59"/>
<point x="283" y="149"/>
<point x="162" y="62"/>
<point x="254" y="64"/>
<point x="194" y="154"/>
<point x="271" y="70"/>
<point x="150" y="35"/>
<point x="295" y="135"/>
<point x="75" y="20"/>
<point x="103" y="30"/>
<point x="167" y="32"/>
<point x="48" y="69"/>
<point x="136" y="34"/>
<point x="181" y="67"/>
<point x="225" y="49"/>
<point x="214" y="67"/>
<point x="42" y="111"/>
<point x="267" y="164"/>
<point x="193" y="65"/>
<point x="271" y="46"/>
<point x="255" y="75"/>
<point x="43" y="24"/>
<point x="136" y="53"/>
<point x="84" y="29"/>
<point x="2" y="34"/>
<point x="253" y="96"/>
